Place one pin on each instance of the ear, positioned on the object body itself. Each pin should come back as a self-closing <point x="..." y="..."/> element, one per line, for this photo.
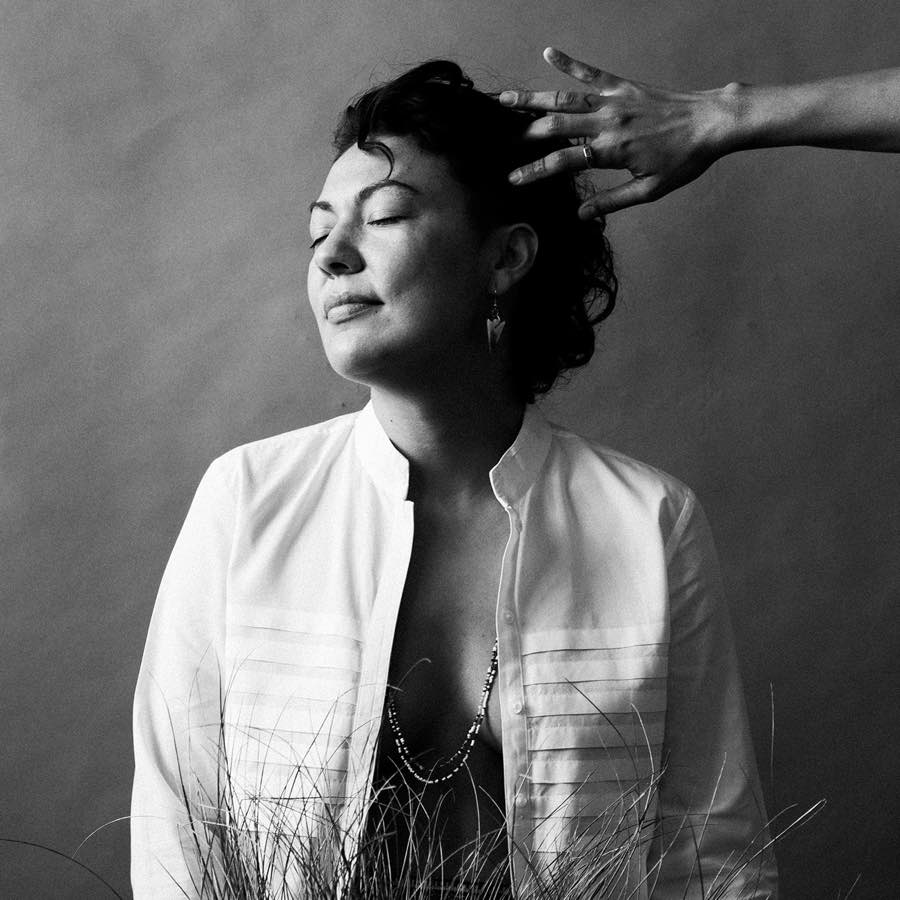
<point x="517" y="247"/>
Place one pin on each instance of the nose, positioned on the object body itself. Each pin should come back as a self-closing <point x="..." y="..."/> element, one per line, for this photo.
<point x="338" y="253"/>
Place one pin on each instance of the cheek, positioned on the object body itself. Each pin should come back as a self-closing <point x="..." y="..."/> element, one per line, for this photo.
<point x="444" y="278"/>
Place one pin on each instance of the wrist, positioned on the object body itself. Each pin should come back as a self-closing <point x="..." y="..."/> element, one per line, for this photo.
<point x="735" y="126"/>
<point x="770" y="115"/>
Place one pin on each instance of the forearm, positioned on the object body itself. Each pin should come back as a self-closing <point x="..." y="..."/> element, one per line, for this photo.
<point x="178" y="705"/>
<point x="854" y="112"/>
<point x="712" y="823"/>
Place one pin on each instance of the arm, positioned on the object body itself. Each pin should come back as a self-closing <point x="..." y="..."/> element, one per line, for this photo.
<point x="711" y="813"/>
<point x="853" y="112"/>
<point x="177" y="703"/>
<point x="668" y="138"/>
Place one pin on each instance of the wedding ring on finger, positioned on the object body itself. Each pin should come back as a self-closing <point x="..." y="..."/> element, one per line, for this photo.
<point x="588" y="152"/>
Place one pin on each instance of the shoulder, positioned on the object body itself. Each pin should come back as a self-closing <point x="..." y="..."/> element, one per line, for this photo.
<point x="592" y="456"/>
<point x="616" y="479"/>
<point x="283" y="455"/>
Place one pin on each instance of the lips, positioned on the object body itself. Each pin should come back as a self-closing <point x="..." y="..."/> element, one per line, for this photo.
<point x="347" y="306"/>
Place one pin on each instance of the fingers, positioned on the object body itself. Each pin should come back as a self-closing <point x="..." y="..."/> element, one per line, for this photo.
<point x="565" y="101"/>
<point x="581" y="71"/>
<point x="552" y="101"/>
<point x="572" y="159"/>
<point x="560" y="125"/>
<point x="631" y="193"/>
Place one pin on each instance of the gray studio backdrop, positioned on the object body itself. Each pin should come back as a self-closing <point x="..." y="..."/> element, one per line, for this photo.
<point x="157" y="160"/>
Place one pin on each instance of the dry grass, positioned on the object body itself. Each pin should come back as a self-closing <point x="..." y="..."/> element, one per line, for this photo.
<point x="291" y="845"/>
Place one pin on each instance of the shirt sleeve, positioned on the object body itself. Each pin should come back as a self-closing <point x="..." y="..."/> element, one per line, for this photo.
<point x="711" y="829"/>
<point x="177" y="703"/>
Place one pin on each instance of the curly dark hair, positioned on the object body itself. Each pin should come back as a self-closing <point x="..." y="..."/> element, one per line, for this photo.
<point x="571" y="286"/>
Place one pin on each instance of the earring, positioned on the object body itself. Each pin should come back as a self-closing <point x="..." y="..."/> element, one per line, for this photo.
<point x="495" y="323"/>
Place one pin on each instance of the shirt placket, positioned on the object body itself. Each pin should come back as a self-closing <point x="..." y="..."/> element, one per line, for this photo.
<point x="375" y="665"/>
<point x="512" y="696"/>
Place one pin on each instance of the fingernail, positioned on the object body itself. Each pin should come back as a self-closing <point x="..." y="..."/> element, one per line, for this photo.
<point x="508" y="98"/>
<point x="515" y="177"/>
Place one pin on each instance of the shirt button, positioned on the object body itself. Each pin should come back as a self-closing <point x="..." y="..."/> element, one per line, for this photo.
<point x="517" y="708"/>
<point x="521" y="800"/>
<point x="508" y="616"/>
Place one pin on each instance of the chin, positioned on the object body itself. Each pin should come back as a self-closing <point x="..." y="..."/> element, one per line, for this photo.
<point x="361" y="361"/>
<point x="375" y="365"/>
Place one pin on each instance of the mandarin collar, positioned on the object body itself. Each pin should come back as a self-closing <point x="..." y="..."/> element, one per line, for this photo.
<point x="386" y="465"/>
<point x="511" y="477"/>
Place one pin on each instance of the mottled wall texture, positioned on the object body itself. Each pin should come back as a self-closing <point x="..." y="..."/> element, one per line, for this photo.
<point x="156" y="162"/>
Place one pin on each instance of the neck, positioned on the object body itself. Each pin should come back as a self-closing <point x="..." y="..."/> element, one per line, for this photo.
<point x="451" y="437"/>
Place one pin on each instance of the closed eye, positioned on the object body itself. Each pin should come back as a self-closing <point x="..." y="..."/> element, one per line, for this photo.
<point x="383" y="220"/>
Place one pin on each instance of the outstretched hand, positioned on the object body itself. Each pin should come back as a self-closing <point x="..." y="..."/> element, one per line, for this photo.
<point x="663" y="138"/>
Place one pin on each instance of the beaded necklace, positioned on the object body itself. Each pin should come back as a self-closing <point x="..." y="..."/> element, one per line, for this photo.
<point x="450" y="766"/>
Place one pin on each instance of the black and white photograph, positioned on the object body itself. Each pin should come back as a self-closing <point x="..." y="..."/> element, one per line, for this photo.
<point x="449" y="451"/>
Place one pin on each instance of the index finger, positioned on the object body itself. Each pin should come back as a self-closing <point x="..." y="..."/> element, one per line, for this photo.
<point x="555" y="101"/>
<point x="577" y="69"/>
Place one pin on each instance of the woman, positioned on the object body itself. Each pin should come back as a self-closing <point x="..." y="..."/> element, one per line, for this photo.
<point x="444" y="594"/>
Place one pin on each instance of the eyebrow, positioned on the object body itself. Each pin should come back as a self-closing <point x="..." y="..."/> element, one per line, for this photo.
<point x="366" y="192"/>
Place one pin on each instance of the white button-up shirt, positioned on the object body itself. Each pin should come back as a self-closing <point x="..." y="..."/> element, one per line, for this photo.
<point x="622" y="710"/>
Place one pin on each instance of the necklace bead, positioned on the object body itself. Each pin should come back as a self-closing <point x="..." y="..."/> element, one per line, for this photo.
<point x="446" y="768"/>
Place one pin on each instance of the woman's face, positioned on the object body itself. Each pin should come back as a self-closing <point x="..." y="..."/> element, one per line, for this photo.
<point x="400" y="271"/>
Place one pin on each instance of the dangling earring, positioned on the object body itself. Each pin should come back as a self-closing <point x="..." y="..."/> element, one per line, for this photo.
<point x="495" y="322"/>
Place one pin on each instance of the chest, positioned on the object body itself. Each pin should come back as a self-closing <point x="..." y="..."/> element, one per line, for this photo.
<point x="446" y="630"/>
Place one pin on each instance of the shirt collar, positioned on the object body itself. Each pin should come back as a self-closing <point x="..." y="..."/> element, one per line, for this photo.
<point x="387" y="466"/>
<point x="511" y="477"/>
<point x="519" y="466"/>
